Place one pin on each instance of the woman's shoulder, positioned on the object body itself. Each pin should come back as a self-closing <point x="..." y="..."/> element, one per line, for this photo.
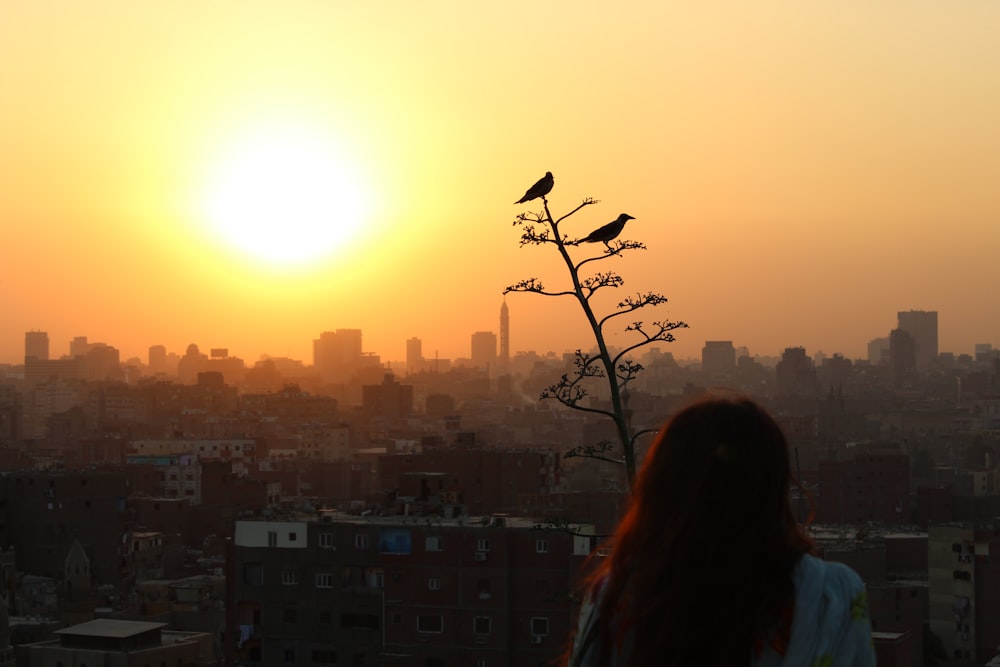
<point x="830" y="574"/>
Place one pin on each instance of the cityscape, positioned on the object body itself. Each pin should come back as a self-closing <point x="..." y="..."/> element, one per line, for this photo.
<point x="345" y="511"/>
<point x="367" y="334"/>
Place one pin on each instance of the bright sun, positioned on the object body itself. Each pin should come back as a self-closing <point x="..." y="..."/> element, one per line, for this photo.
<point x="284" y="196"/>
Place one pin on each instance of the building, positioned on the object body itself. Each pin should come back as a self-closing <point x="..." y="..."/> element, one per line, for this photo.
<point x="484" y="349"/>
<point x="965" y="590"/>
<point x="36" y="345"/>
<point x="116" y="643"/>
<point x="923" y="326"/>
<point x="336" y="353"/>
<point x="390" y="399"/>
<point x="414" y="355"/>
<point x="335" y="589"/>
<point x="902" y="357"/>
<point x="504" y="334"/>
<point x="718" y="359"/>
<point x="872" y="485"/>
<point x="795" y="374"/>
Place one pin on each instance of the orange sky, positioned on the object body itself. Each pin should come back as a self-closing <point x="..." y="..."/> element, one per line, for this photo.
<point x="799" y="171"/>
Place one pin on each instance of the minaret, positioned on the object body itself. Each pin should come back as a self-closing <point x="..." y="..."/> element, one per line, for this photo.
<point x="504" y="335"/>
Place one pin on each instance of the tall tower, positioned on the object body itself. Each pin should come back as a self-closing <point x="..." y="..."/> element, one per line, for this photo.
<point x="922" y="325"/>
<point x="36" y="345"/>
<point x="504" y="334"/>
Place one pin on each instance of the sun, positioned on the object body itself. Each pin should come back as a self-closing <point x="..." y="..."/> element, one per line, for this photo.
<point x="284" y="196"/>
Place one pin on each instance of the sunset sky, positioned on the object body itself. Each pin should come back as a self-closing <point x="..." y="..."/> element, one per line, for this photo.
<point x="249" y="174"/>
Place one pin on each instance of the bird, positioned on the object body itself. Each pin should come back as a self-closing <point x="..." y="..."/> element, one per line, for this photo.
<point x="539" y="189"/>
<point x="608" y="232"/>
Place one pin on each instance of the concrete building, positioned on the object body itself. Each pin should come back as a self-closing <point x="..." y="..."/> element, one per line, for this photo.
<point x="923" y="326"/>
<point x="871" y="485"/>
<point x="36" y="345"/>
<point x="718" y="359"/>
<point x="117" y="643"/>
<point x="337" y="353"/>
<point x="484" y="349"/>
<point x="403" y="591"/>
<point x="964" y="579"/>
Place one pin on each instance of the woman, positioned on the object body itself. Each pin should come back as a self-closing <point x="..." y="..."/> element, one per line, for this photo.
<point x="709" y="567"/>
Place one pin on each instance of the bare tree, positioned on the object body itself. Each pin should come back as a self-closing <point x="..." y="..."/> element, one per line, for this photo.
<point x="617" y="367"/>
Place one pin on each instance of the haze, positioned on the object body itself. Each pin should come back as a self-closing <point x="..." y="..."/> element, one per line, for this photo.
<point x="799" y="172"/>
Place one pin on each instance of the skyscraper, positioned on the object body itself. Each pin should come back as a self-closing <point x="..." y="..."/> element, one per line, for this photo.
<point x="414" y="355"/>
<point x="36" y="345"/>
<point x="923" y="326"/>
<point x="504" y="334"/>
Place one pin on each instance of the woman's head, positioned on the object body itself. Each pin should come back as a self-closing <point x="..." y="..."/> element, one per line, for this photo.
<point x="701" y="565"/>
<point x="720" y="463"/>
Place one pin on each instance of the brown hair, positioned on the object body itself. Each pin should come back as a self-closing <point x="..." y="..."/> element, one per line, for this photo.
<point x="701" y="565"/>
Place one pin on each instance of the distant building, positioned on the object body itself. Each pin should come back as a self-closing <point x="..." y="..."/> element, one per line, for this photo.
<point x="718" y="358"/>
<point x="903" y="357"/>
<point x="389" y="399"/>
<point x="872" y="485"/>
<point x="795" y="374"/>
<point x="878" y="351"/>
<point x="336" y="353"/>
<point x="414" y="355"/>
<point x="36" y="345"/>
<point x="484" y="349"/>
<point x="923" y="326"/>
<point x="504" y="334"/>
<point x="157" y="359"/>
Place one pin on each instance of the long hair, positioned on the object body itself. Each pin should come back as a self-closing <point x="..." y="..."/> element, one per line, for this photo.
<point x="700" y="571"/>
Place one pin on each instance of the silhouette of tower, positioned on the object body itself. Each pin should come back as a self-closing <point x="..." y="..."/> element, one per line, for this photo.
<point x="504" y="334"/>
<point x="36" y="345"/>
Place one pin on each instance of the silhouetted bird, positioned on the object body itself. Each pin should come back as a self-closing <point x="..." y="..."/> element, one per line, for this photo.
<point x="609" y="231"/>
<point x="539" y="189"/>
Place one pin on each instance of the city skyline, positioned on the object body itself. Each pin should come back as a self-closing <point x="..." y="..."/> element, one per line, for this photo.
<point x="248" y="175"/>
<point x="38" y="343"/>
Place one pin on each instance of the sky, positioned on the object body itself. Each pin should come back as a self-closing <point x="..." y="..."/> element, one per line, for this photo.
<point x="247" y="174"/>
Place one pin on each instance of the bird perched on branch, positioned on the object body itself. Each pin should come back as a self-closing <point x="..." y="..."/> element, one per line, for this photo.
<point x="539" y="189"/>
<point x="609" y="231"/>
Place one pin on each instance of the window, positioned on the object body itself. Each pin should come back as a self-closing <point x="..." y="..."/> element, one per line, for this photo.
<point x="432" y="544"/>
<point x="541" y="546"/>
<point x="292" y="537"/>
<point x="540" y="625"/>
<point x="433" y="584"/>
<point x="361" y="541"/>
<point x="397" y="618"/>
<point x="326" y="540"/>
<point x="482" y="625"/>
<point x="482" y="544"/>
<point x="325" y="617"/>
<point x="289" y="656"/>
<point x="253" y="573"/>
<point x="289" y="576"/>
<point x="272" y="538"/>
<point x="430" y="623"/>
<point x="480" y="662"/>
<point x="324" y="580"/>
<point x="290" y="615"/>
<point x="359" y="621"/>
